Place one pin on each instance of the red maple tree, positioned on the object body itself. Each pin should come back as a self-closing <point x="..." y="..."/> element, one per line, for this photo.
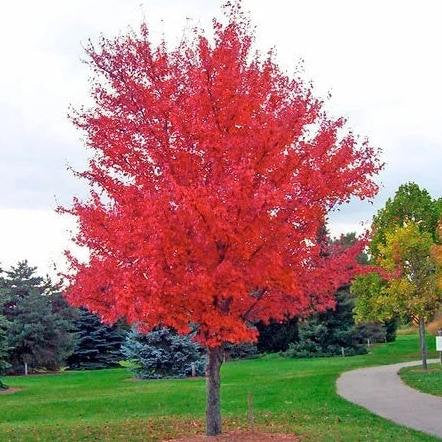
<point x="212" y="173"/>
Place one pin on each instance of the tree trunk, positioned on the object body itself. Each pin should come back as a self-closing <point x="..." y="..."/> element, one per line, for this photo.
<point x="423" y="343"/>
<point x="213" y="411"/>
<point x="26" y="368"/>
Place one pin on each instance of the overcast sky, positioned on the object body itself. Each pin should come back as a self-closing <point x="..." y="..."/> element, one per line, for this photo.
<point x="380" y="59"/>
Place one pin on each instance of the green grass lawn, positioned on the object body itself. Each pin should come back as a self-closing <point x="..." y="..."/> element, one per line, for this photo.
<point x="289" y="395"/>
<point x="429" y="381"/>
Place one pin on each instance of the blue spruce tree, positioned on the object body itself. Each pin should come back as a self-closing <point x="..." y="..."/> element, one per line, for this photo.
<point x="163" y="353"/>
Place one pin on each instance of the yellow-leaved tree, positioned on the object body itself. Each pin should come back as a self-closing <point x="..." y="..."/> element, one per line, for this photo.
<point x="414" y="289"/>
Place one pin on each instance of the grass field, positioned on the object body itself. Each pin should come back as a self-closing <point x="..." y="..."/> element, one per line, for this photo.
<point x="429" y="381"/>
<point x="289" y="395"/>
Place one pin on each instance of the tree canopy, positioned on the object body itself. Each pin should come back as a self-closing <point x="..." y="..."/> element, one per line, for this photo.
<point x="410" y="204"/>
<point x="212" y="171"/>
<point x="412" y="290"/>
<point x="215" y="189"/>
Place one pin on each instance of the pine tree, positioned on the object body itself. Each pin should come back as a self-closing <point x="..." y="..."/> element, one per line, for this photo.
<point x="245" y="350"/>
<point x="329" y="333"/>
<point x="40" y="338"/>
<point x="163" y="353"/>
<point x="277" y="336"/>
<point x="17" y="283"/>
<point x="97" y="345"/>
<point x="4" y="349"/>
<point x="39" y="319"/>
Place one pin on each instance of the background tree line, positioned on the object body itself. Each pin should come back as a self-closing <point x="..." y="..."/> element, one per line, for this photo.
<point x="39" y="331"/>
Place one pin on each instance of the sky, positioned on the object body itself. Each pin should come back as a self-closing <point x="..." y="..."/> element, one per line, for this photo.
<point x="380" y="60"/>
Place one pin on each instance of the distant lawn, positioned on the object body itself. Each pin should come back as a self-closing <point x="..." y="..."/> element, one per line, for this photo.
<point x="290" y="395"/>
<point x="429" y="381"/>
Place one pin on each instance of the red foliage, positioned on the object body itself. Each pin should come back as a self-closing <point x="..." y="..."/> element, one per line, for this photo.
<point x="212" y="174"/>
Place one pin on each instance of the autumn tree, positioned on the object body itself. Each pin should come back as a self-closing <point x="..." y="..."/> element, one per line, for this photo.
<point x="436" y="253"/>
<point x="411" y="215"/>
<point x="211" y="172"/>
<point x="412" y="291"/>
<point x="409" y="204"/>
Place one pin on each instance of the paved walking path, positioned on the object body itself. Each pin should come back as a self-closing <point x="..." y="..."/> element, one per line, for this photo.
<point x="380" y="390"/>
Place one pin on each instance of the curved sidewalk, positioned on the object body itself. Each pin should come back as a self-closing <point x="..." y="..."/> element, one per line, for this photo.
<point x="380" y="390"/>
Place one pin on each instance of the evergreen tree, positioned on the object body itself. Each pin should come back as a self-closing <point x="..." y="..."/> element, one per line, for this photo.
<point x="40" y="338"/>
<point x="391" y="326"/>
<point x="277" y="336"/>
<point x="4" y="349"/>
<point x="245" y="350"/>
<point x="372" y="332"/>
<point x="163" y="353"/>
<point x="39" y="319"/>
<point x="97" y="345"/>
<point x="17" y="283"/>
<point x="327" y="333"/>
<point x="347" y="240"/>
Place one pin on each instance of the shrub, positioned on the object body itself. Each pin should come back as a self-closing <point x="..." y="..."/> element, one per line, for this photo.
<point x="371" y="331"/>
<point x="377" y="331"/>
<point x="241" y="351"/>
<point x="391" y="327"/>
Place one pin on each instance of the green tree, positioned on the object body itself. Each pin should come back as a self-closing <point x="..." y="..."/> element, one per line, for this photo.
<point x="163" y="353"/>
<point x="410" y="204"/>
<point x="18" y="282"/>
<point x="39" y="319"/>
<point x="97" y="345"/>
<point x="40" y="338"/>
<point x="412" y="290"/>
<point x="4" y="349"/>
<point x="329" y="333"/>
<point x="277" y="336"/>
